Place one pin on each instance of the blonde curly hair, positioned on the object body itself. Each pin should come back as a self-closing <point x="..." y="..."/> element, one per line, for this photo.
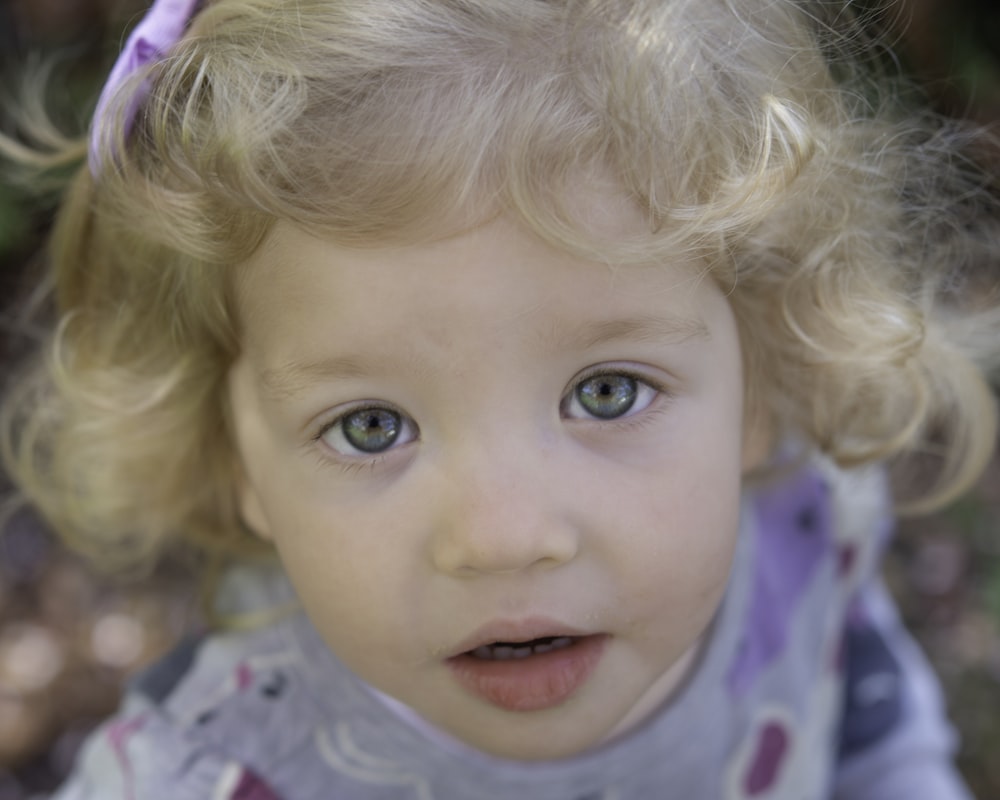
<point x="759" y="136"/>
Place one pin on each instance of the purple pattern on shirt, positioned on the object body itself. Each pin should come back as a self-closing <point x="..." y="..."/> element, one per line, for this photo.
<point x="772" y="747"/>
<point x="252" y="787"/>
<point x="794" y="535"/>
<point x="119" y="733"/>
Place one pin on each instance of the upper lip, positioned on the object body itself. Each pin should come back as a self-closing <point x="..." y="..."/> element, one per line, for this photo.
<point x="522" y="630"/>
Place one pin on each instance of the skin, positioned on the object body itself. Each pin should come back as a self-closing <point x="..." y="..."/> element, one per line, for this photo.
<point x="504" y="505"/>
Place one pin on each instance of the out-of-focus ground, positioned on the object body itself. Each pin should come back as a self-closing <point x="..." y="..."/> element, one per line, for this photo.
<point x="69" y="640"/>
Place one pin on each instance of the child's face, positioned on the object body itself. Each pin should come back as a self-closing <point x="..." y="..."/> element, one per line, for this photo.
<point x="487" y="440"/>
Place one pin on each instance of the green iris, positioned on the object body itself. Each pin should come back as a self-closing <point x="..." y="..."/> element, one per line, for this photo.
<point x="607" y="396"/>
<point x="372" y="430"/>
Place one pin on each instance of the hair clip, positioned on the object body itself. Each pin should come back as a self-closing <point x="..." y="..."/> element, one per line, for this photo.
<point x="161" y="28"/>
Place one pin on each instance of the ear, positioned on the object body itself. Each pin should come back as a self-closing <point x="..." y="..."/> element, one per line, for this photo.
<point x="249" y="507"/>
<point x="244" y="428"/>
<point x="758" y="439"/>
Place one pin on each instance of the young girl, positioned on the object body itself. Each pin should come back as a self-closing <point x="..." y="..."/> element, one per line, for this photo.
<point x="527" y="364"/>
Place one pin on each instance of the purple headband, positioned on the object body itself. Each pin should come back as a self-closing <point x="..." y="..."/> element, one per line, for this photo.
<point x="161" y="28"/>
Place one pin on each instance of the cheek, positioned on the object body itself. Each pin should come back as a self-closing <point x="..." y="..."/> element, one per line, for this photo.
<point x="326" y="553"/>
<point x="681" y="530"/>
<point x="350" y="573"/>
<point x="348" y="607"/>
<point x="679" y="571"/>
<point x="686" y="543"/>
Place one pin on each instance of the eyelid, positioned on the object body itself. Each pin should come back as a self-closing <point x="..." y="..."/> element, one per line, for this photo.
<point x="627" y="370"/>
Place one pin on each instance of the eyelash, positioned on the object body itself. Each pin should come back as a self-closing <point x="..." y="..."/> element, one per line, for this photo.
<point x="352" y="467"/>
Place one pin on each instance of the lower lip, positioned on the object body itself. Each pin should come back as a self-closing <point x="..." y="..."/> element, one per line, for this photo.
<point x="534" y="683"/>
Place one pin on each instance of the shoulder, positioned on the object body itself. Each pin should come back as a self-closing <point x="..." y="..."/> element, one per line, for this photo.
<point x="815" y="533"/>
<point x="813" y="537"/>
<point x="142" y="753"/>
<point x="822" y="512"/>
<point x="209" y="720"/>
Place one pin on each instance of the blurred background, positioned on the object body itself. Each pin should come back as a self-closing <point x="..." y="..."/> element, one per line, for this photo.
<point x="69" y="640"/>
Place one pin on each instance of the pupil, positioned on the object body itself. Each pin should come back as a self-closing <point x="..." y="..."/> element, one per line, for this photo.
<point x="372" y="430"/>
<point x="607" y="396"/>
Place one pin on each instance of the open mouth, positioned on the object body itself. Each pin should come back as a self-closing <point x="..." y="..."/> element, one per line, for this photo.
<point x="505" y="651"/>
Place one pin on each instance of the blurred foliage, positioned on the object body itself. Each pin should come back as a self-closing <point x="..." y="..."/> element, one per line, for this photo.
<point x="14" y="227"/>
<point x="72" y="44"/>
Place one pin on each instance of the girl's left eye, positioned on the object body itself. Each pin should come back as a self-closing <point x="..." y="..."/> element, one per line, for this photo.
<point x="368" y="430"/>
<point x="607" y="396"/>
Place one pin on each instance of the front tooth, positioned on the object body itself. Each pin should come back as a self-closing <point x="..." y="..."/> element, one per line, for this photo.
<point x="543" y="648"/>
<point x="522" y="652"/>
<point x="503" y="653"/>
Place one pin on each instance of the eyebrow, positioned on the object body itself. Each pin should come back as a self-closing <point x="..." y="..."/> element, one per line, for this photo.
<point x="657" y="330"/>
<point x="297" y="376"/>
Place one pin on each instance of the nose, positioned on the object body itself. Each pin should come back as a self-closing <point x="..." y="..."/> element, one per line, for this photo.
<point x="502" y="516"/>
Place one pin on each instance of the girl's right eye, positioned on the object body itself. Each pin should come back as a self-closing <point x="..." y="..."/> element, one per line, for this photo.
<point x="367" y="431"/>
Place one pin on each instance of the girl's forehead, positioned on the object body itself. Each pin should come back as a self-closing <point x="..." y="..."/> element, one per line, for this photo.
<point x="594" y="208"/>
<point x="494" y="273"/>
